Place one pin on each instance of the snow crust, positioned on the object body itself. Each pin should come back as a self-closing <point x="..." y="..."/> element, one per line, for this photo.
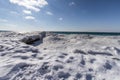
<point x="59" y="57"/>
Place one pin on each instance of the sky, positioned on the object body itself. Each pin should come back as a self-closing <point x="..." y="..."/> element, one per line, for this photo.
<point x="60" y="15"/>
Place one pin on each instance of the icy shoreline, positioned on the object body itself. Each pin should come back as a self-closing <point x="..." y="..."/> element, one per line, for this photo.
<point x="59" y="57"/>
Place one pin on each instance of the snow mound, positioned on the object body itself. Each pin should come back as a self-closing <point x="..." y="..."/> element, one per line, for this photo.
<point x="30" y="39"/>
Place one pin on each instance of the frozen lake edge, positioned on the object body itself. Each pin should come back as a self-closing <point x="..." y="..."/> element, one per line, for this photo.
<point x="59" y="56"/>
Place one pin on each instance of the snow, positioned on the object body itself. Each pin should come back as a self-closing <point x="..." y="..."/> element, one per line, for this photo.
<point x="59" y="56"/>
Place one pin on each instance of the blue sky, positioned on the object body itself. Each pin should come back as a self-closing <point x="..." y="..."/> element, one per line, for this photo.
<point x="60" y="15"/>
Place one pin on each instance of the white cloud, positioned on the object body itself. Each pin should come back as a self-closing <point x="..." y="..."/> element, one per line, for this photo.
<point x="34" y="5"/>
<point x="60" y="18"/>
<point x="13" y="12"/>
<point x="30" y="17"/>
<point x="71" y="3"/>
<point x="27" y="12"/>
<point x="3" y="20"/>
<point x="49" y="13"/>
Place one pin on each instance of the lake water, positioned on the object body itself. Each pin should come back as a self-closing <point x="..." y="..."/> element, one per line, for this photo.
<point x="88" y="33"/>
<point x="91" y="33"/>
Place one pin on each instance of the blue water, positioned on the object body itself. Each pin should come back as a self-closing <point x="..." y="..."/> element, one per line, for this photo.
<point x="88" y="33"/>
<point x="91" y="33"/>
<point x="4" y="31"/>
